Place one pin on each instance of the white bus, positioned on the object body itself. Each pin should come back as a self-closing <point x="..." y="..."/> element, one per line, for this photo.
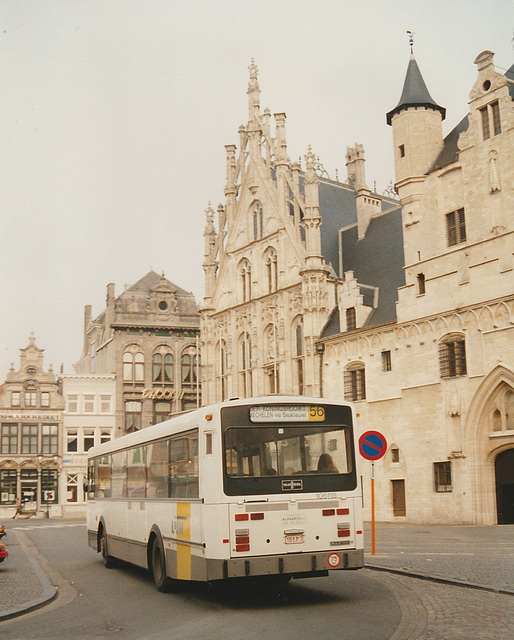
<point x="253" y="487"/>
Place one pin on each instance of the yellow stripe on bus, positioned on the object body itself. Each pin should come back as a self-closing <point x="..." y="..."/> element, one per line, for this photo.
<point x="184" y="532"/>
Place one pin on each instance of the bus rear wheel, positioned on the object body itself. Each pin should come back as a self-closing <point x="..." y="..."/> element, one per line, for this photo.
<point x="162" y="582"/>
<point x="109" y="561"/>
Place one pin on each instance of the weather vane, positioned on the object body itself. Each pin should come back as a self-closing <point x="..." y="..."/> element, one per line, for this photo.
<point x="411" y="40"/>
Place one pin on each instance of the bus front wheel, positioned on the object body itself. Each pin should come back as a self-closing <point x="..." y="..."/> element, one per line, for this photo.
<point x="162" y="582"/>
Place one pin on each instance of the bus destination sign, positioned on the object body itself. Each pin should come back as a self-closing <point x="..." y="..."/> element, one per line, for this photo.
<point x="287" y="413"/>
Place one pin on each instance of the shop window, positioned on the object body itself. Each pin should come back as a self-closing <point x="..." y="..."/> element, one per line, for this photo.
<point x="49" y="488"/>
<point x="8" y="483"/>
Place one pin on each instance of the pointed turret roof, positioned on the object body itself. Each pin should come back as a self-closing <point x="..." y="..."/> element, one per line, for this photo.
<point x="415" y="93"/>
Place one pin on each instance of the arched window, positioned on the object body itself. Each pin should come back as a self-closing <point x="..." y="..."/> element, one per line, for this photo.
<point x="245" y="275"/>
<point x="190" y="366"/>
<point x="245" y="366"/>
<point x="271" y="270"/>
<point x="355" y="382"/>
<point x="162" y="366"/>
<point x="452" y="356"/>
<point x="258" y="227"/>
<point x="133" y="365"/>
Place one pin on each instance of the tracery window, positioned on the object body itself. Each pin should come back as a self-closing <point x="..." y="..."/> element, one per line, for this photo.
<point x="299" y="355"/>
<point x="245" y="275"/>
<point x="245" y="366"/>
<point x="221" y="368"/>
<point x="271" y="269"/>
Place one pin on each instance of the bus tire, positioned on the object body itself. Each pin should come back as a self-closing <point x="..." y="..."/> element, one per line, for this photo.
<point x="109" y="561"/>
<point x="162" y="582"/>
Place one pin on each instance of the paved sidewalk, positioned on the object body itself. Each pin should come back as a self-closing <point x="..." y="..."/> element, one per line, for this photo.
<point x="23" y="584"/>
<point x="471" y="556"/>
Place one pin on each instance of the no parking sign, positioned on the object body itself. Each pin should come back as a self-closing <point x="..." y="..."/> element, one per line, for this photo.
<point x="372" y="445"/>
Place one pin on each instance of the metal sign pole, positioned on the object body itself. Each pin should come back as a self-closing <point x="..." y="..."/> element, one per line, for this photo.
<point x="372" y="508"/>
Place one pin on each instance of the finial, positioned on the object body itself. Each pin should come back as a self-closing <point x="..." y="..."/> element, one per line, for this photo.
<point x="253" y="69"/>
<point x="411" y="35"/>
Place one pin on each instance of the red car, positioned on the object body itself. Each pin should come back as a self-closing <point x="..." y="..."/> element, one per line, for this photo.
<point x="3" y="552"/>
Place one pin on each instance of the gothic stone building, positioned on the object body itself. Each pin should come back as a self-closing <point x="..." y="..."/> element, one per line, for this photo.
<point x="272" y="264"/>
<point x="148" y="337"/>
<point x="31" y="415"/>
<point x="317" y="287"/>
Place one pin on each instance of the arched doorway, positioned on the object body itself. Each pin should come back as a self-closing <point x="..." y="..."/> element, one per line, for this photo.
<point x="504" y="473"/>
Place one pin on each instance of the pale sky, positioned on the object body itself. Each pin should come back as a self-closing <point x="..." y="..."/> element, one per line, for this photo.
<point x="114" y="115"/>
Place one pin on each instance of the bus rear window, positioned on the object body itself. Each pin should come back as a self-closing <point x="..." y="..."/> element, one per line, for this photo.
<point x="322" y="455"/>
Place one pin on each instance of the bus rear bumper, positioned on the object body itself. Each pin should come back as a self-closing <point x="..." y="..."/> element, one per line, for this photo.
<point x="290" y="564"/>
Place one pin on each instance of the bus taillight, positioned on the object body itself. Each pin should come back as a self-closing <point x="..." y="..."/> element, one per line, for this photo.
<point x="328" y="512"/>
<point x="241" y="516"/>
<point x="343" y="512"/>
<point x="257" y="516"/>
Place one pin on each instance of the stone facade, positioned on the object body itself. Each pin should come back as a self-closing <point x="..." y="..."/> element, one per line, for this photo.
<point x="31" y="417"/>
<point x="318" y="287"/>
<point x="439" y="382"/>
<point x="148" y="337"/>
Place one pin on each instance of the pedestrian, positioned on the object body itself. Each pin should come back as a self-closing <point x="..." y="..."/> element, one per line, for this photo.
<point x="17" y="504"/>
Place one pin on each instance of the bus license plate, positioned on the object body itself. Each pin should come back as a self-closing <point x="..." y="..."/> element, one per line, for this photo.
<point x="297" y="539"/>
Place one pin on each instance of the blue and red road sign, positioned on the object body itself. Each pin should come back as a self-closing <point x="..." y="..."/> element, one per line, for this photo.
<point x="372" y="445"/>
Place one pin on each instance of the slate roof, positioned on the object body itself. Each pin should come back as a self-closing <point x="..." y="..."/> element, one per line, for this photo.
<point x="415" y="93"/>
<point x="377" y="260"/>
<point x="152" y="279"/>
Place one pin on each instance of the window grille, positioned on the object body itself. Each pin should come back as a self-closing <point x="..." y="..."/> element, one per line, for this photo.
<point x="452" y="358"/>
<point x="443" y="477"/>
<point x="355" y="384"/>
